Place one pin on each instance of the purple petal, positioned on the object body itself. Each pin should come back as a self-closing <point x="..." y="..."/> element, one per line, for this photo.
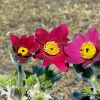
<point x="74" y="60"/>
<point x="92" y="35"/>
<point x="97" y="57"/>
<point x="79" y="39"/>
<point x="86" y="63"/>
<point x="73" y="50"/>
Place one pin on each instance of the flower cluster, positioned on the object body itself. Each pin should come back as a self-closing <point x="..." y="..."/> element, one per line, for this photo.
<point x="56" y="48"/>
<point x="43" y="45"/>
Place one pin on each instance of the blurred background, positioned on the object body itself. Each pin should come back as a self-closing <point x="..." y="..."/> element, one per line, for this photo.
<point x="24" y="16"/>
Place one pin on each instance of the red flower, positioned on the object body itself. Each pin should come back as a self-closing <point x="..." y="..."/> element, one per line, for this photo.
<point x="51" y="46"/>
<point x="85" y="49"/>
<point x="23" y="46"/>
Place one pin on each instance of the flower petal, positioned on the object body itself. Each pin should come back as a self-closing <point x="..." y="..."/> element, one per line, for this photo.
<point x="92" y="35"/>
<point x="73" y="50"/>
<point x="64" y="41"/>
<point x="79" y="39"/>
<point x="74" y="61"/>
<point x="30" y="41"/>
<point x="46" y="62"/>
<point x="36" y="47"/>
<point x="97" y="57"/>
<point x="21" y="59"/>
<point x="61" y="31"/>
<point x="14" y="39"/>
<point x="62" y="66"/>
<point x="41" y="35"/>
<point x="33" y="48"/>
<point x="38" y="55"/>
<point x="86" y="63"/>
<point x="23" y="40"/>
<point x="60" y="57"/>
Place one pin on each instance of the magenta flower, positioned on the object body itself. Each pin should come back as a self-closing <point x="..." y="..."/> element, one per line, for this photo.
<point x="84" y="49"/>
<point x="52" y="46"/>
<point x="23" y="46"/>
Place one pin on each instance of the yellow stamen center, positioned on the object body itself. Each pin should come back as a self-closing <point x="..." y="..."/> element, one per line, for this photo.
<point x="51" y="48"/>
<point x="23" y="51"/>
<point x="87" y="50"/>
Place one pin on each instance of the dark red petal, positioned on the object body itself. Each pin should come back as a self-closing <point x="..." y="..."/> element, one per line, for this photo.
<point x="36" y="46"/>
<point x="31" y="44"/>
<point x="14" y="39"/>
<point x="21" y="59"/>
<point x="46" y="62"/>
<point x="61" y="66"/>
<point x="15" y="42"/>
<point x="92" y="35"/>
<point x="64" y="41"/>
<point x="61" y="31"/>
<point x="23" y="40"/>
<point x="30" y="39"/>
<point x="38" y="55"/>
<point x="60" y="57"/>
<point x="41" y="35"/>
<point x="33" y="48"/>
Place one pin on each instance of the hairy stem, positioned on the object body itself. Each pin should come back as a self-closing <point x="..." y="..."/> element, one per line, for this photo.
<point x="19" y="76"/>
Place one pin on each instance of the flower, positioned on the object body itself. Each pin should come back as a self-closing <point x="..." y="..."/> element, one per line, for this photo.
<point x="23" y="46"/>
<point x="52" y="46"/>
<point x="84" y="49"/>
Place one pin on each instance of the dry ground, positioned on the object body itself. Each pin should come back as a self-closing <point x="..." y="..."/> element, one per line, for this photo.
<point x="24" y="16"/>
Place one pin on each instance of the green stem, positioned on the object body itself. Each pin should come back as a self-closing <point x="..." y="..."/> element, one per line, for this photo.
<point x="19" y="76"/>
<point x="96" y="85"/>
<point x="45" y="71"/>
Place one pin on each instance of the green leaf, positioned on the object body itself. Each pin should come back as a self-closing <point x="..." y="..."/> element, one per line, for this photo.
<point x="44" y="83"/>
<point x="23" y="89"/>
<point x="4" y="81"/>
<point x="39" y="97"/>
<point x="51" y="75"/>
<point x="13" y="78"/>
<point x="48" y="84"/>
<point x="38" y="70"/>
<point x="27" y="73"/>
<point x="31" y="80"/>
<point x="87" y="90"/>
<point x="56" y="78"/>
